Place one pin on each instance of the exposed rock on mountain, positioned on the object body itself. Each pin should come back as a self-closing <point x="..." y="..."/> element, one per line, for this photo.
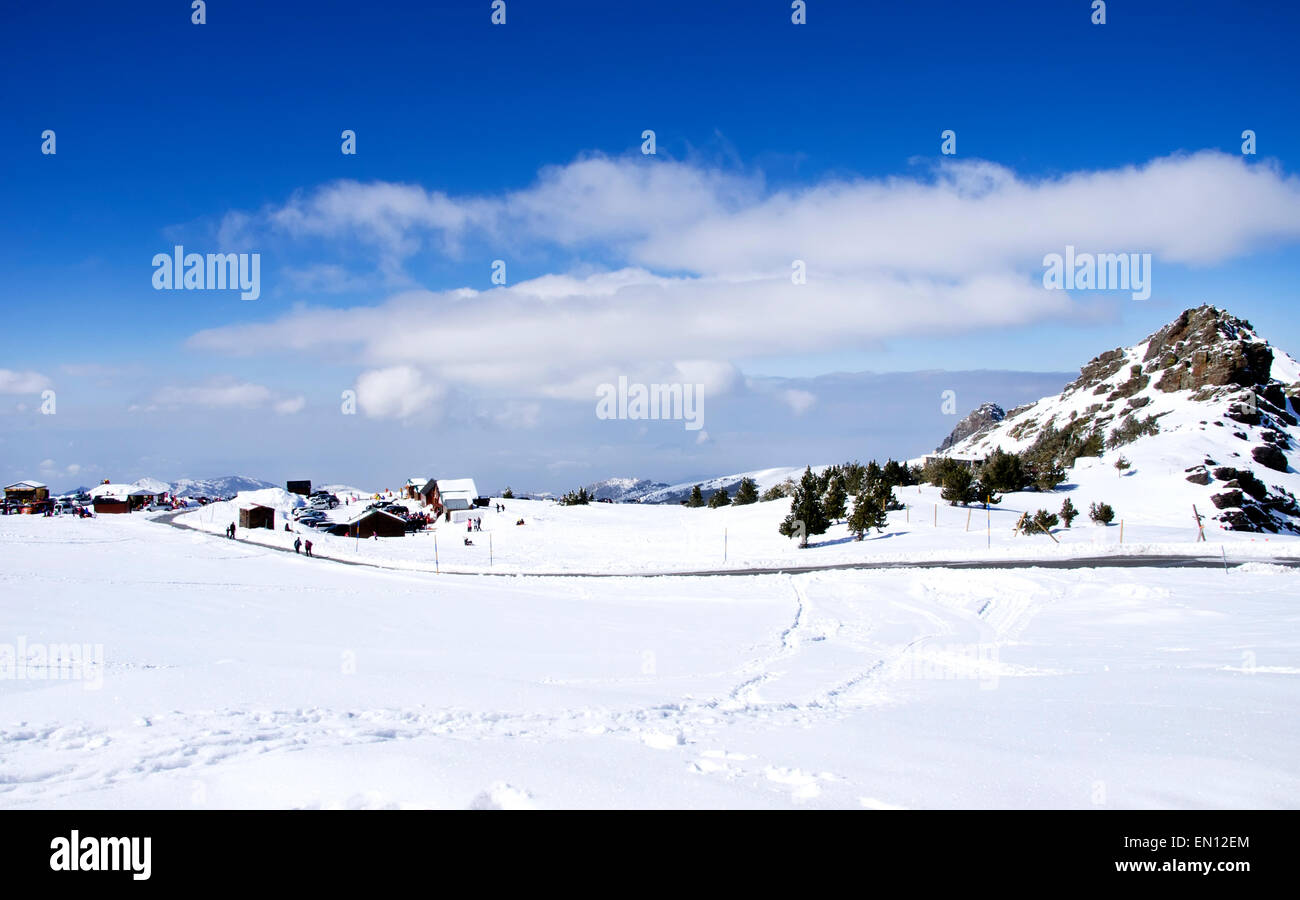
<point x="1205" y="405"/>
<point x="981" y="419"/>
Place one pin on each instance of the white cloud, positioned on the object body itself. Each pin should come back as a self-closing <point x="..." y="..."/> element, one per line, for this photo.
<point x="217" y="394"/>
<point x="397" y="392"/>
<point x="798" y="401"/>
<point x="221" y="393"/>
<point x="702" y="263"/>
<point x="28" y="382"/>
<point x="290" y="405"/>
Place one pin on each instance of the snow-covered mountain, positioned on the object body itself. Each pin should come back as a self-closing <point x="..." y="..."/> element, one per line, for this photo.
<point x="985" y="416"/>
<point x="764" y="478"/>
<point x="623" y="489"/>
<point x="225" y="486"/>
<point x="1205" y="410"/>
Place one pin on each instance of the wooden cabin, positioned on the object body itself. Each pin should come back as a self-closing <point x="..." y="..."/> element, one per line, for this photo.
<point x="257" y="516"/>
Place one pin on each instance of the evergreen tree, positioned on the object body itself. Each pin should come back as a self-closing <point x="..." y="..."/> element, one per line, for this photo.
<point x="807" y="517"/>
<point x="1101" y="513"/>
<point x="719" y="498"/>
<point x="746" y="493"/>
<point x="958" y="484"/>
<point x="696" y="499"/>
<point x="837" y="498"/>
<point x="873" y="475"/>
<point x="507" y="494"/>
<point x="1121" y="464"/>
<point x="1068" y="512"/>
<point x="868" y="513"/>
<point x="854" y="473"/>
<point x="1004" y="472"/>
<point x="777" y="491"/>
<point x="1047" y="476"/>
<point x="896" y="474"/>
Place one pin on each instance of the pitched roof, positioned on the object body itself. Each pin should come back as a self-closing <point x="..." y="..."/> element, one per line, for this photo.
<point x="457" y="486"/>
<point x="367" y="513"/>
<point x="24" y="485"/>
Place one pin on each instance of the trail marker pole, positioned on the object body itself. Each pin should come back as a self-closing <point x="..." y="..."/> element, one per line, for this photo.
<point x="1225" y="559"/>
<point x="936" y="515"/>
<point x="968" y="512"/>
<point x="988" y="514"/>
<point x="436" y="569"/>
<point x="724" y="545"/>
<point x="1121" y="531"/>
<point x="1200" y="528"/>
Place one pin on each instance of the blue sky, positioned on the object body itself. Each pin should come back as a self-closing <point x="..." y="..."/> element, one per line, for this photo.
<point x="522" y="142"/>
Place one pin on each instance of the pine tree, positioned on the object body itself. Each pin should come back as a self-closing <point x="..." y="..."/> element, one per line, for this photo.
<point x="957" y="484"/>
<point x="696" y="498"/>
<point x="806" y="516"/>
<point x="1048" y="476"/>
<point x="719" y="498"/>
<point x="868" y="511"/>
<point x="837" y="498"/>
<point x="1121" y="464"/>
<point x="873" y="474"/>
<point x="1101" y="513"/>
<point x="1003" y="471"/>
<point x="1068" y="512"/>
<point x="507" y="494"/>
<point x="746" y="493"/>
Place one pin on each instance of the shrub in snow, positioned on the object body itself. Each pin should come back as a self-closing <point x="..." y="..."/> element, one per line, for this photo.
<point x="1101" y="513"/>
<point x="1068" y="512"/>
<point x="1040" y="522"/>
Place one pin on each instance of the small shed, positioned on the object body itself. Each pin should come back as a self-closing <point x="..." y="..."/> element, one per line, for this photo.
<point x="257" y="516"/>
<point x="376" y="522"/>
<point x="141" y="498"/>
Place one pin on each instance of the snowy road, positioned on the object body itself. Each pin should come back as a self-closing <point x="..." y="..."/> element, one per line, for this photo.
<point x="236" y="676"/>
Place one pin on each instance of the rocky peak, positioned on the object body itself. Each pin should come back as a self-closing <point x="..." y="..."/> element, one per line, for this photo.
<point x="1207" y="347"/>
<point x="986" y="416"/>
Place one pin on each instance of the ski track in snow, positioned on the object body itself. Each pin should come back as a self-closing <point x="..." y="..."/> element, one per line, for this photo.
<point x="843" y="645"/>
<point x="182" y="740"/>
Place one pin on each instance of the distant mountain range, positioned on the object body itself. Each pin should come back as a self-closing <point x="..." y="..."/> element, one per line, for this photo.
<point x="225" y="486"/>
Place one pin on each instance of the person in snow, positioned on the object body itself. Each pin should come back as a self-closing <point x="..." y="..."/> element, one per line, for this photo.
<point x="307" y="547"/>
<point x="297" y="545"/>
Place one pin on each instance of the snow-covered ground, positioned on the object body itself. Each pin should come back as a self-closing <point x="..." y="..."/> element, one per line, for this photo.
<point x="234" y="675"/>
<point x="640" y="539"/>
